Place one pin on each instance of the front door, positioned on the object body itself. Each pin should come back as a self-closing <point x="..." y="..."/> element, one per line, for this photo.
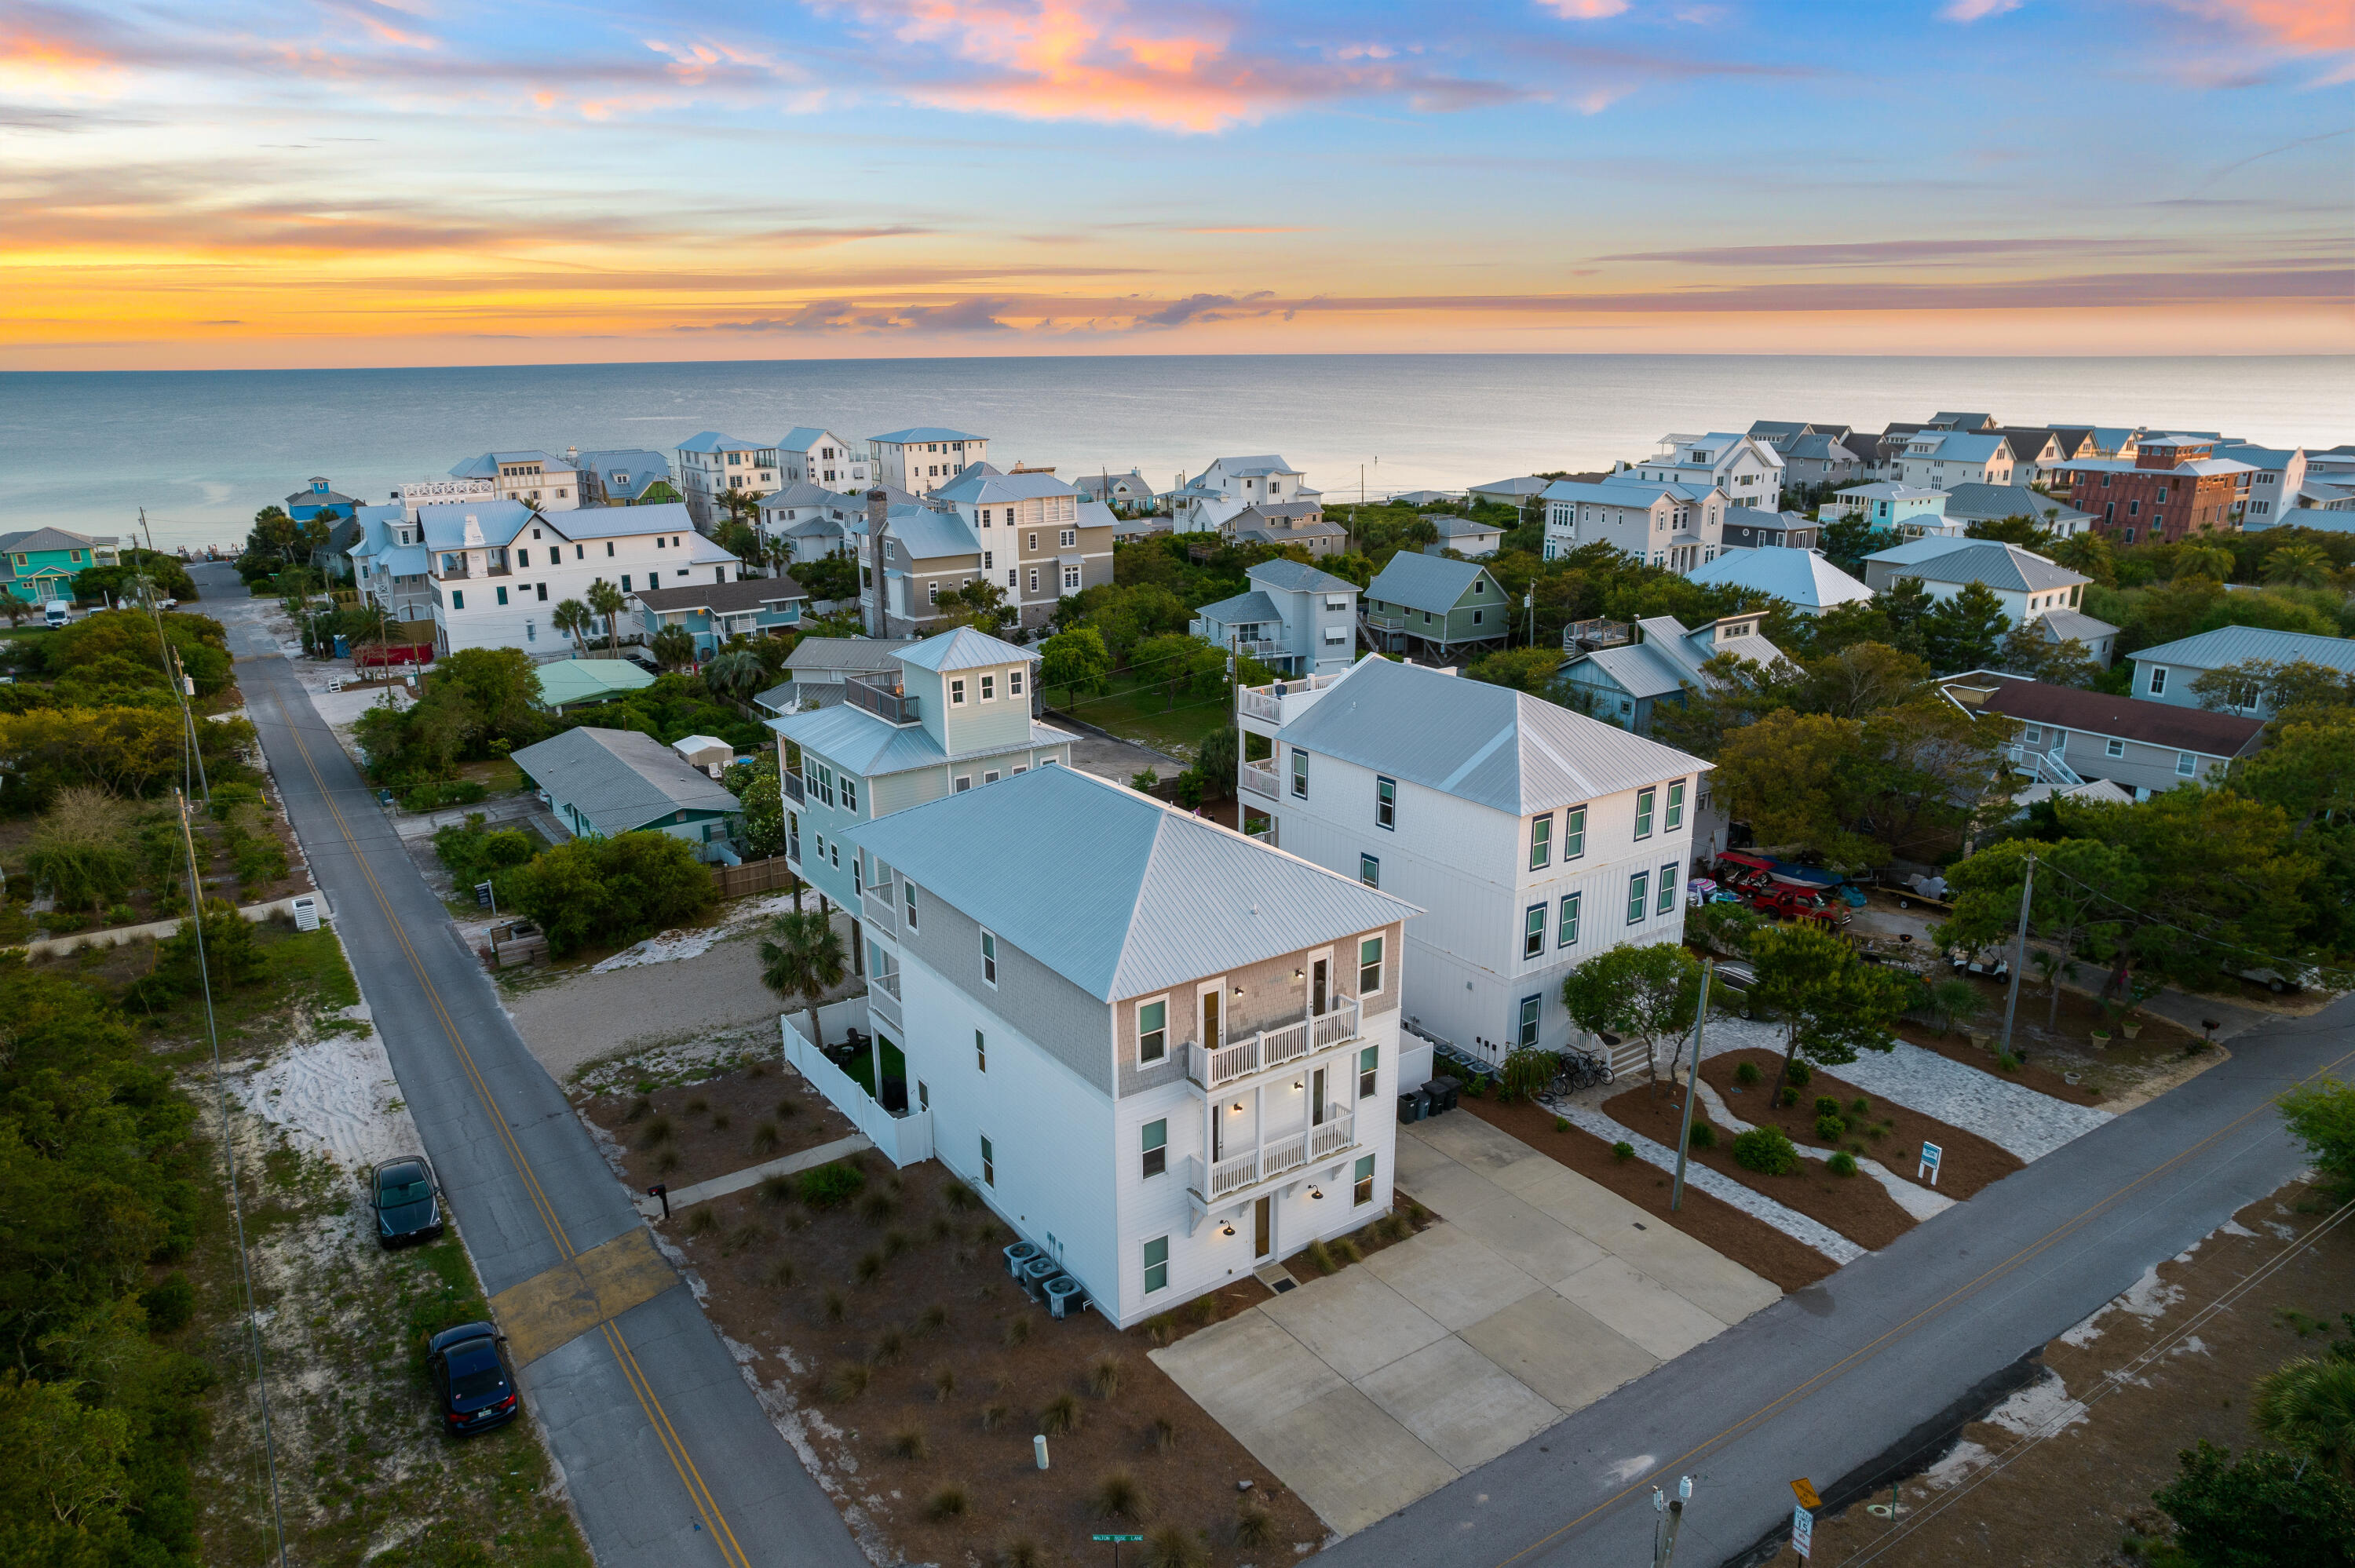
<point x="1262" y="1230"/>
<point x="1317" y="972"/>
<point x="1210" y="1020"/>
<point x="1317" y="1098"/>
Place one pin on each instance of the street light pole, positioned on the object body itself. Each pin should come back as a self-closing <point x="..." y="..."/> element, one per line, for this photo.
<point x="1692" y="1086"/>
<point x="2020" y="953"/>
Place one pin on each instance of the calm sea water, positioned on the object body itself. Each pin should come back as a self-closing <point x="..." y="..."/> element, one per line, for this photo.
<point x="202" y="451"/>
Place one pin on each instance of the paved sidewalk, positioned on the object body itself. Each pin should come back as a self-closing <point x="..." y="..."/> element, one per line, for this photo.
<point x="751" y="1175"/>
<point x="1539" y="1293"/>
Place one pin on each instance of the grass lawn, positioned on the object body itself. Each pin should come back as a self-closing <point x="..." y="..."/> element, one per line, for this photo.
<point x="1145" y="715"/>
<point x="496" y="774"/>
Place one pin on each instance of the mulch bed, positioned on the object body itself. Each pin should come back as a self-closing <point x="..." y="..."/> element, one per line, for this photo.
<point x="1855" y="1206"/>
<point x="692" y="1132"/>
<point x="937" y="1350"/>
<point x="1715" y="1223"/>
<point x="1967" y="1161"/>
<point x="2031" y="1073"/>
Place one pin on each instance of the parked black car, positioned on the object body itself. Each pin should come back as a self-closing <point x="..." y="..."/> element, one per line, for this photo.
<point x="472" y="1378"/>
<point x="407" y="1200"/>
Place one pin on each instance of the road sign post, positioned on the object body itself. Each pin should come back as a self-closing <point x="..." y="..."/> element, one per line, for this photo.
<point x="1803" y="1532"/>
<point x="1116" y="1540"/>
<point x="1805" y="1490"/>
<point x="1929" y="1166"/>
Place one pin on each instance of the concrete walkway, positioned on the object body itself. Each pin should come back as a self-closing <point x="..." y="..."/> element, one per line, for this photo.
<point x="1539" y="1293"/>
<point x="753" y="1175"/>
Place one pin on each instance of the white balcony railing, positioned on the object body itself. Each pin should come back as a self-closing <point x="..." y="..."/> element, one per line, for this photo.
<point x="1259" y="778"/>
<point x="1285" y="699"/>
<point x="1272" y="1048"/>
<point x="883" y="997"/>
<point x="877" y="899"/>
<point x="1278" y="1155"/>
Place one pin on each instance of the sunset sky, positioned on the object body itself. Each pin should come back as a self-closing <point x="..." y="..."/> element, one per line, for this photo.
<point x="239" y="182"/>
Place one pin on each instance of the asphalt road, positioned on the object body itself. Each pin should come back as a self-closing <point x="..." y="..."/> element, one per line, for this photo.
<point x="666" y="1452"/>
<point x="1832" y="1379"/>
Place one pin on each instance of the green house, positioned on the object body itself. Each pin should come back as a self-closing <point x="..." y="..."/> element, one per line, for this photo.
<point x="40" y="565"/>
<point x="1443" y="604"/>
<point x="602" y="783"/>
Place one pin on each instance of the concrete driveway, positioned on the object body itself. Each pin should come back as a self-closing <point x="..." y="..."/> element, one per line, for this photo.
<point x="1539" y="1293"/>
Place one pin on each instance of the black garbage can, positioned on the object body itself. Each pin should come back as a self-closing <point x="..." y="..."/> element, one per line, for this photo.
<point x="1413" y="1106"/>
<point x="1442" y="1092"/>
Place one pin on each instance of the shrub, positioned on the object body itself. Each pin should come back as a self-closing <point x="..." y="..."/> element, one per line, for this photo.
<point x="877" y="1207"/>
<point x="640" y="1108"/>
<point x="1016" y="1332"/>
<point x="742" y="1236"/>
<point x="1800" y="1074"/>
<point x="1165" y="1434"/>
<point x="659" y="1129"/>
<point x="908" y="1443"/>
<point x="1623" y="1151"/>
<point x="932" y="1320"/>
<point x="835" y="1309"/>
<point x="1860" y="1105"/>
<point x="780" y="1272"/>
<point x="1746" y="1073"/>
<point x="1062" y="1415"/>
<point x="665" y="1159"/>
<point x="1767" y="1151"/>
<point x="1172" y="1547"/>
<point x="610" y="892"/>
<point x="1160" y="1329"/>
<point x="1842" y="1164"/>
<point x="868" y="1268"/>
<point x="1527" y="1072"/>
<point x="950" y="1502"/>
<point x="719" y="1121"/>
<point x="2008" y="1061"/>
<point x="1322" y="1257"/>
<point x="829" y="1186"/>
<point x="1827" y="1105"/>
<point x="774" y="1190"/>
<point x="1830" y="1128"/>
<point x="788" y="1106"/>
<point x="1021" y="1553"/>
<point x="993" y="1416"/>
<point x="1346" y="1250"/>
<point x="847" y="1381"/>
<point x="1104" y="1378"/>
<point x="888" y="1346"/>
<point x="1203" y="1309"/>
<point x="1254" y="1526"/>
<point x="697" y="1105"/>
<point x="1790" y="1097"/>
<point x="1703" y="1136"/>
<point x="703" y="1223"/>
<point x="170" y="1302"/>
<point x="943" y="1379"/>
<point x="895" y="1241"/>
<point x="958" y="1196"/>
<point x="1119" y="1497"/>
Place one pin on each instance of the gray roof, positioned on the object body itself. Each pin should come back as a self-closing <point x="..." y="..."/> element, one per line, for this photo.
<point x="617" y="522"/>
<point x="487" y="465"/>
<point x="444" y="523"/>
<point x="1638" y="669"/>
<point x="49" y="539"/>
<point x="1489" y="745"/>
<point x="965" y="648"/>
<point x="1299" y="577"/>
<point x="1243" y="609"/>
<point x="743" y="595"/>
<point x="1450" y="527"/>
<point x="1974" y="501"/>
<point x="2060" y="625"/>
<point x="922" y="533"/>
<point x="1525" y="484"/>
<point x="1992" y="562"/>
<point x="620" y="780"/>
<point x="2238" y="644"/>
<point x="856" y="654"/>
<point x="1800" y="578"/>
<point x="802" y="492"/>
<point x="1166" y="897"/>
<point x="978" y="482"/>
<point x="1432" y="583"/>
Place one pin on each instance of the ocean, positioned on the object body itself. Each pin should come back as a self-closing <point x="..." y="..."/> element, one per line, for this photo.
<point x="203" y="450"/>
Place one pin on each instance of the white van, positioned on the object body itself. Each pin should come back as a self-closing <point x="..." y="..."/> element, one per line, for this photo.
<point x="57" y="612"/>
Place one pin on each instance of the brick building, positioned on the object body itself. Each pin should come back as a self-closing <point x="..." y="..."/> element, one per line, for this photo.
<point x="2173" y="487"/>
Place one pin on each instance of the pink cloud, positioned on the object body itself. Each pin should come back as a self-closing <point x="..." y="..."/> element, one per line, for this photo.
<point x="1967" y="11"/>
<point x="1584" y="10"/>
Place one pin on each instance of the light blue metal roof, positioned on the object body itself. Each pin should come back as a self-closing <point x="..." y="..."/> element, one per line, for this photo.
<point x="487" y="465"/>
<point x="1299" y="577"/>
<point x="498" y="521"/>
<point x="2236" y="644"/>
<point x="1243" y="609"/>
<point x="1992" y="562"/>
<point x="713" y="441"/>
<point x="1914" y="551"/>
<point x="962" y="648"/>
<point x="926" y="433"/>
<point x="1632" y="493"/>
<point x="801" y="437"/>
<point x="1432" y="583"/>
<point x="405" y="560"/>
<point x="1997" y="501"/>
<point x="1164" y="898"/>
<point x="978" y="483"/>
<point x="1464" y="527"/>
<point x="1800" y="578"/>
<point x="621" y="780"/>
<point x="922" y="533"/>
<point x="614" y="522"/>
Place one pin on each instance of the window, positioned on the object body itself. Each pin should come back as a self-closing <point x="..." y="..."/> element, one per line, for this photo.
<point x="1566" y="929"/>
<point x="980" y="1051"/>
<point x="1069" y="538"/>
<point x="932" y="593"/>
<point x="1152" y="1031"/>
<point x="1369" y="1063"/>
<point x="989" y="959"/>
<point x="2158" y="680"/>
<point x="1013" y="682"/>
<point x="1071" y="578"/>
<point x="2115" y="748"/>
<point x="988" y="1164"/>
<point x="1480" y="585"/>
<point x="457" y="598"/>
<point x="989" y="776"/>
<point x="1157" y="1264"/>
<point x="1643" y="812"/>
<point x="1533" y="930"/>
<point x="1676" y="806"/>
<point x="2184" y="765"/>
<point x="1034" y="542"/>
<point x="1532" y="1009"/>
<point x="625" y="582"/>
<point x="1363" y="1189"/>
<point x="850" y="793"/>
<point x="962" y="782"/>
<point x="1157" y="1147"/>
<point x="956" y="694"/>
<point x="910" y="901"/>
<point x="1299" y="774"/>
<point x="1386" y="804"/>
<point x="1668" y="899"/>
<point x="1636" y="886"/>
<point x="609" y="546"/>
<point x="2035" y="735"/>
<point x="1369" y="966"/>
<point x="543" y="593"/>
<point x="1370" y="870"/>
<point x="1574" y="833"/>
<point x="1542" y="842"/>
<point x="1034" y="579"/>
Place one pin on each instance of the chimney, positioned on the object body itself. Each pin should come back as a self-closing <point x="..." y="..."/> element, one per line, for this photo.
<point x="879" y="529"/>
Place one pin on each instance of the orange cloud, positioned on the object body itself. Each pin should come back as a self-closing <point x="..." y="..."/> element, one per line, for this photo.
<point x="39" y="60"/>
<point x="2308" y="26"/>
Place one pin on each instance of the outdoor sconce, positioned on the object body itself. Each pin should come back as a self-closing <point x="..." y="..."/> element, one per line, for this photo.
<point x="1317" y="1193"/>
<point x="1226" y="1230"/>
<point x="1236" y="1109"/>
<point x="1298" y="974"/>
<point x="1297" y="1083"/>
<point x="1239" y="992"/>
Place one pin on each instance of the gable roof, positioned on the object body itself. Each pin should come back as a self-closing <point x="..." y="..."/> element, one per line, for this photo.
<point x="1524" y="484"/>
<point x="621" y="780"/>
<point x="853" y="654"/>
<point x="2060" y="625"/>
<point x="1432" y="583"/>
<point x="1242" y="610"/>
<point x="1299" y="577"/>
<point x="1258" y="465"/>
<point x="1614" y="492"/>
<point x="643" y="468"/>
<point x="979" y="483"/>
<point x="2127" y="718"/>
<point x="802" y="492"/>
<point x="962" y="648"/>
<point x="801" y="437"/>
<point x="1168" y="897"/>
<point x="1453" y="527"/>
<point x="713" y="441"/>
<point x="617" y="522"/>
<point x="497" y="523"/>
<point x="2236" y="644"/>
<point x="1992" y="562"/>
<point x="1971" y="501"/>
<point x="569" y="681"/>
<point x="743" y="595"/>
<point x="49" y="539"/>
<point x="1798" y="578"/>
<point x="921" y="533"/>
<point x="1962" y="446"/>
<point x="487" y="465"/>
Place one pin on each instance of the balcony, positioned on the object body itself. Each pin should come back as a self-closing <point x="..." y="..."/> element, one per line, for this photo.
<point x="1259" y="778"/>
<point x="1236" y="1175"/>
<point x="879" y="900"/>
<point x="1270" y="1049"/>
<point x="888" y="705"/>
<point x="1282" y="701"/>
<point x="791" y="785"/>
<point x="883" y="998"/>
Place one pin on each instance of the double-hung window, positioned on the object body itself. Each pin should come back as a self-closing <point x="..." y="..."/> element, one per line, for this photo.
<point x="1574" y="833"/>
<point x="1566" y="927"/>
<point x="1370" y="967"/>
<point x="1668" y="896"/>
<point x="850" y="793"/>
<point x="1152" y="1031"/>
<point x="1637" y="886"/>
<point x="1386" y="804"/>
<point x="1370" y="870"/>
<point x="988" y="1164"/>
<point x="1542" y="842"/>
<point x="1361" y="1190"/>
<point x="1299" y="774"/>
<point x="1370" y="1065"/>
<point x="1676" y="806"/>
<point x="1156" y="1158"/>
<point x="1643" y="799"/>
<point x="910" y="896"/>
<point x="980" y="1051"/>
<point x="2184" y="764"/>
<point x="989" y="688"/>
<point x="1532" y="1011"/>
<point x="1533" y="930"/>
<point x="2158" y="680"/>
<point x="1157" y="1264"/>
<point x="989" y="958"/>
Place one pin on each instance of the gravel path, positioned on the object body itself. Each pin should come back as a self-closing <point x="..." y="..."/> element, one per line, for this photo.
<point x="1917" y="1200"/>
<point x="1790" y="1221"/>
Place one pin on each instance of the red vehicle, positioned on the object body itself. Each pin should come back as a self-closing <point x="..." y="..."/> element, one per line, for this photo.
<point x="1792" y="904"/>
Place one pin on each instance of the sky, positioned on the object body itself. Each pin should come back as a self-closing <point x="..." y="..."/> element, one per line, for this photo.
<point x="328" y="182"/>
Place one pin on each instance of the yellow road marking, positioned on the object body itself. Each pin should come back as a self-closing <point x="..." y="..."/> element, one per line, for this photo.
<point x="674" y="1446"/>
<point x="559" y="1305"/>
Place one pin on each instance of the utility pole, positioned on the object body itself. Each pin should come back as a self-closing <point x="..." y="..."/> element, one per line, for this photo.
<point x="2020" y="952"/>
<point x="1670" y="1513"/>
<point x="1684" y="1134"/>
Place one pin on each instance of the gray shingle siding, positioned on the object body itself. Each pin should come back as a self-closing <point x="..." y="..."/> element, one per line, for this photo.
<point x="1065" y="1021"/>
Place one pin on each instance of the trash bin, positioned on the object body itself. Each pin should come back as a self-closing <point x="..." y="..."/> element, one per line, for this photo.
<point x="1036" y="1273"/>
<point x="1017" y="1255"/>
<point x="1443" y="1091"/>
<point x="1064" y="1295"/>
<point x="1413" y="1106"/>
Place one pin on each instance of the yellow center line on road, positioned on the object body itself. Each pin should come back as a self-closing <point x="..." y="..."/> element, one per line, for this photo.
<point x="675" y="1446"/>
<point x="1874" y="1347"/>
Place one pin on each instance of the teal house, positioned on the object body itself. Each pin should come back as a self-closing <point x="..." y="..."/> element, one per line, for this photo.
<point x="38" y="566"/>
<point x="601" y="783"/>
<point x="320" y="499"/>
<point x="1444" y="605"/>
<point x="714" y="613"/>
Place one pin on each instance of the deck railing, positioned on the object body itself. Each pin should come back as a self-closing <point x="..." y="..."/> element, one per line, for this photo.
<point x="1286" y="1153"/>
<point x="1268" y="1049"/>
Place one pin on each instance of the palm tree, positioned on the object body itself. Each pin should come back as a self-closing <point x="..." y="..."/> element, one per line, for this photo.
<point x="2309" y="1405"/>
<point x="2298" y="565"/>
<point x="574" y="620"/>
<point x="803" y="957"/>
<point x="737" y="674"/>
<point x="2088" y="552"/>
<point x="606" y="599"/>
<point x="673" y="646"/>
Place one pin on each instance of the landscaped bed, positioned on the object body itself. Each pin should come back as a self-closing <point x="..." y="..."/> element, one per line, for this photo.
<point x="2033" y="1074"/>
<point x="916" y="1374"/>
<point x="692" y="1132"/>
<point x="1967" y="1161"/>
<point x="1788" y="1263"/>
<point x="1857" y="1206"/>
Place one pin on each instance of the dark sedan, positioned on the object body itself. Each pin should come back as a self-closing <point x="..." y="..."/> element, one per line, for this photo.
<point x="472" y="1379"/>
<point x="407" y="1200"/>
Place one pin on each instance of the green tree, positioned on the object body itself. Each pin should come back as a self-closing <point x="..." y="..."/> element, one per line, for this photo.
<point x="764" y="805"/>
<point x="574" y="620"/>
<point x="2089" y="554"/>
<point x="1846" y="541"/>
<point x="2321" y="1116"/>
<point x="2082" y="888"/>
<point x="2308" y="772"/>
<point x="2298" y="565"/>
<point x="1076" y="661"/>
<point x="1649" y="993"/>
<point x="1833" y="1006"/>
<point x="1531" y="669"/>
<point x="610" y="892"/>
<point x="606" y="601"/>
<point x="736" y="673"/>
<point x="2263" y="1510"/>
<point x="1180" y="666"/>
<point x="1219" y="761"/>
<point x="673" y="647"/>
<point x="827" y="578"/>
<point x="2307" y="1406"/>
<point x="802" y="958"/>
<point x="741" y="540"/>
<point x="1964" y="632"/>
<point x="81" y="849"/>
<point x="2018" y="529"/>
<point x="2028" y="650"/>
<point x="501" y="686"/>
